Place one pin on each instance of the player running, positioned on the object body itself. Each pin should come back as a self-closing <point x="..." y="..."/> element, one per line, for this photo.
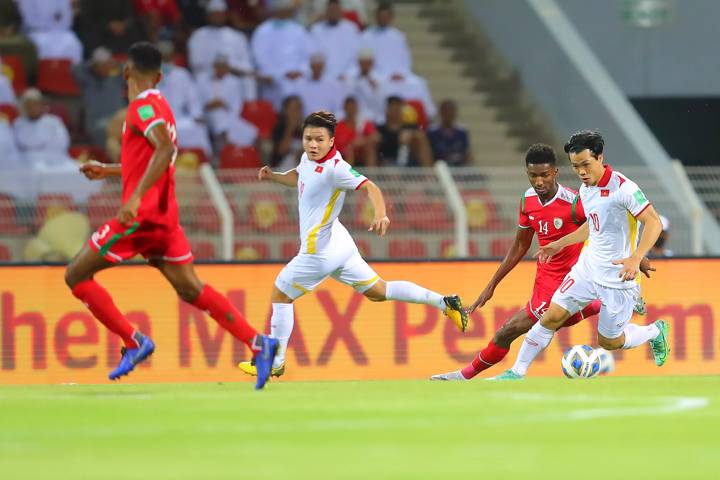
<point x="327" y="249"/>
<point x="148" y="224"/>
<point x="607" y="267"/>
<point x="551" y="211"/>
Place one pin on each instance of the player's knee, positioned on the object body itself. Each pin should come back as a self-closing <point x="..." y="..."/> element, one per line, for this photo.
<point x="611" y="343"/>
<point x="375" y="296"/>
<point x="188" y="293"/>
<point x="72" y="276"/>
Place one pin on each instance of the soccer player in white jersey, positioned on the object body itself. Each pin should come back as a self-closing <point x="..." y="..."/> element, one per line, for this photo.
<point x="607" y="267"/>
<point x="327" y="249"/>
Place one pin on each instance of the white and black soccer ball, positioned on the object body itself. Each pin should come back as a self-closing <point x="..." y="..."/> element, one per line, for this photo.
<point x="580" y="361"/>
<point x="607" y="361"/>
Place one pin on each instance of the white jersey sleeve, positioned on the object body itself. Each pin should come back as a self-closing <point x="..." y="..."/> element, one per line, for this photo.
<point x="631" y="197"/>
<point x="346" y="177"/>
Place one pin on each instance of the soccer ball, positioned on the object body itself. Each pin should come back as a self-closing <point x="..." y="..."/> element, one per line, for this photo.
<point x="581" y="361"/>
<point x="607" y="361"/>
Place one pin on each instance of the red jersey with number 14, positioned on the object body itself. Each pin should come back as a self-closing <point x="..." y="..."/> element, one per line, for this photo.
<point x="562" y="215"/>
<point x="149" y="110"/>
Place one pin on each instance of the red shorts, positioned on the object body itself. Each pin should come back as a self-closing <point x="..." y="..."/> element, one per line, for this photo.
<point x="116" y="242"/>
<point x="542" y="296"/>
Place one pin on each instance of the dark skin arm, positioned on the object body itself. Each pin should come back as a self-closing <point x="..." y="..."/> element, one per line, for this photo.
<point x="159" y="163"/>
<point x="523" y="240"/>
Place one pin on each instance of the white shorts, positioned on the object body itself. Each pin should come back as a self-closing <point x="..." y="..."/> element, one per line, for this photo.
<point x="577" y="291"/>
<point x="306" y="271"/>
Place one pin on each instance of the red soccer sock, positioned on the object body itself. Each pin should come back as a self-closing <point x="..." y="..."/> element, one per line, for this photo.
<point x="222" y="311"/>
<point x="487" y="357"/>
<point x="101" y="304"/>
<point x="592" y="309"/>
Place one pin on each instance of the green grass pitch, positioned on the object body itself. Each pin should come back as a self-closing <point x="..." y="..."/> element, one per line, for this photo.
<point x="607" y="428"/>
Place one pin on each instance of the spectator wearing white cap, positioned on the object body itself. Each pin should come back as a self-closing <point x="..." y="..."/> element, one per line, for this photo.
<point x="367" y="86"/>
<point x="48" y="23"/>
<point x="281" y="48"/>
<point x="337" y="39"/>
<point x="216" y="38"/>
<point x="221" y="96"/>
<point x="660" y="250"/>
<point x="317" y="91"/>
<point x="183" y="95"/>
<point x="392" y="55"/>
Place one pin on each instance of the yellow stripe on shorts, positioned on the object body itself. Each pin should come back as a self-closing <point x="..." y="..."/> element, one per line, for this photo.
<point x="366" y="282"/>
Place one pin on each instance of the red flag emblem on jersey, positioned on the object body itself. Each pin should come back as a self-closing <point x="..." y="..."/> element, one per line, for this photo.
<point x="604" y="193"/>
<point x="318" y="169"/>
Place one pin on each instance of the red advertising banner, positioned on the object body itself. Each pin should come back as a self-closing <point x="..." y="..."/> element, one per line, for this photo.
<point x="47" y="336"/>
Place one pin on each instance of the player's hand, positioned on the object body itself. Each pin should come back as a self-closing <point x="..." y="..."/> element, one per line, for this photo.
<point x="484" y="297"/>
<point x="265" y="173"/>
<point x="93" y="170"/>
<point x="380" y="226"/>
<point x="127" y="213"/>
<point x="546" y="252"/>
<point x="630" y="269"/>
<point x="645" y="267"/>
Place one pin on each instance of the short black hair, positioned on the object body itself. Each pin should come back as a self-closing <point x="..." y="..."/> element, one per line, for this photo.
<point x="540" y="153"/>
<point x="585" y="140"/>
<point x="394" y="99"/>
<point x="321" y="119"/>
<point x="333" y="2"/>
<point x="145" y="57"/>
<point x="384" y="5"/>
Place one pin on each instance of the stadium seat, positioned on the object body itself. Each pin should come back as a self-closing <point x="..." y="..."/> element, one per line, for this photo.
<point x="5" y="255"/>
<point x="500" y="246"/>
<point x="427" y="214"/>
<point x="203" y="250"/>
<point x="422" y="118"/>
<point x="48" y="204"/>
<point x="190" y="158"/>
<point x="364" y="248"/>
<point x="481" y="211"/>
<point x="448" y="248"/>
<point x="8" y="112"/>
<point x="102" y="207"/>
<point x="14" y="70"/>
<point x="55" y="77"/>
<point x="364" y="212"/>
<point x="251" y="251"/>
<point x="289" y="249"/>
<point x="8" y="216"/>
<point x="261" y="114"/>
<point x="233" y="157"/>
<point x="269" y="213"/>
<point x="206" y="217"/>
<point x="85" y="153"/>
<point x="407" y="249"/>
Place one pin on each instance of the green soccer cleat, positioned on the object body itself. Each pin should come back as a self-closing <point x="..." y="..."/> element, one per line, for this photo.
<point x="660" y="345"/>
<point x="507" y="375"/>
<point x="639" y="307"/>
<point x="454" y="311"/>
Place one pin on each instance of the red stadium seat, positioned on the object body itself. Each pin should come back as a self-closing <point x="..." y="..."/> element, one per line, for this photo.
<point x="407" y="249"/>
<point x="423" y="121"/>
<point x="102" y="207"/>
<point x="203" y="250"/>
<point x="448" y="248"/>
<point x="60" y="110"/>
<point x="481" y="211"/>
<point x="500" y="246"/>
<point x="364" y="212"/>
<point x="269" y="213"/>
<point x="251" y="251"/>
<point x="14" y="70"/>
<point x="85" y="153"/>
<point x="55" y="77"/>
<point x="8" y="216"/>
<point x="235" y="157"/>
<point x="364" y="248"/>
<point x="206" y="218"/>
<point x="261" y="114"/>
<point x="427" y="215"/>
<point x="8" y="112"/>
<point x="289" y="249"/>
<point x="5" y="255"/>
<point x="48" y="204"/>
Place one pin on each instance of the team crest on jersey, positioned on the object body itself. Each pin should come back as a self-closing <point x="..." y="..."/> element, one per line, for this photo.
<point x="558" y="222"/>
<point x="318" y="169"/>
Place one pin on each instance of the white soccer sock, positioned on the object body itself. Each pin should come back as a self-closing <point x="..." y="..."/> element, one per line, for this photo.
<point x="412" y="293"/>
<point x="281" y="325"/>
<point x="636" y="335"/>
<point x="536" y="340"/>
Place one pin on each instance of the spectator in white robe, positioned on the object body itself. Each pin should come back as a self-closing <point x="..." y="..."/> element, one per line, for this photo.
<point x="281" y="48"/>
<point x="48" y="23"/>
<point x="7" y="94"/>
<point x="392" y="55"/>
<point x="354" y="10"/>
<point x="217" y="38"/>
<point x="367" y="86"/>
<point x="221" y="97"/>
<point x="183" y="95"/>
<point x="318" y="92"/>
<point x="410" y="87"/>
<point x="337" y="39"/>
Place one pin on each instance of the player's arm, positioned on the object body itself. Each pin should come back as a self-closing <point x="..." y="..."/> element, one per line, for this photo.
<point x="95" y="170"/>
<point x="520" y="246"/>
<point x="289" y="178"/>
<point x="380" y="221"/>
<point x="578" y="236"/>
<point x="159" y="163"/>
<point x="652" y="227"/>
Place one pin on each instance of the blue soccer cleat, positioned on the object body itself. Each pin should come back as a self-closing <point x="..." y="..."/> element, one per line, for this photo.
<point x="133" y="356"/>
<point x="264" y="358"/>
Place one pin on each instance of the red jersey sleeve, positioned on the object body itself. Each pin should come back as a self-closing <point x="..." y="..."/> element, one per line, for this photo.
<point x="143" y="115"/>
<point x="523" y="218"/>
<point x="578" y="212"/>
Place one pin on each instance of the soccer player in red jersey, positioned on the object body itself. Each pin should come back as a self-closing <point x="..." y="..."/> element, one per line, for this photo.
<point x="148" y="224"/>
<point x="551" y="211"/>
